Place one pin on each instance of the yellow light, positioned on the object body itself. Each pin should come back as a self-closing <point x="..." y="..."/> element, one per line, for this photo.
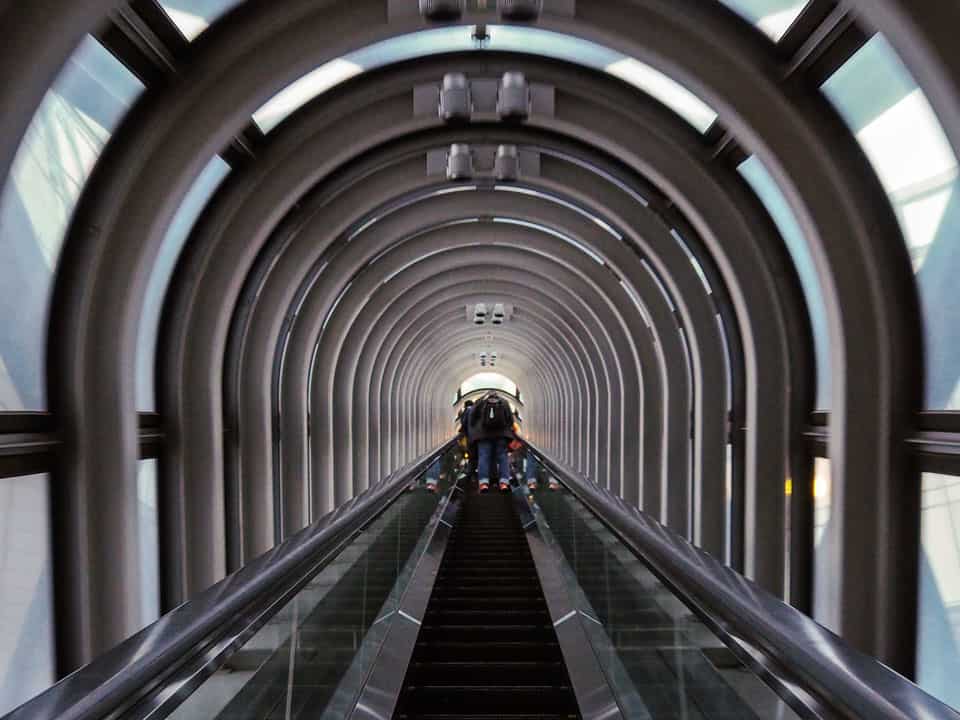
<point x="821" y="478"/>
<point x="788" y="487"/>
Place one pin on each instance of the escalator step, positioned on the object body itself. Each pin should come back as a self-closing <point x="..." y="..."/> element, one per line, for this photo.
<point x="467" y="700"/>
<point x="447" y="651"/>
<point x="485" y="673"/>
<point x="487" y="647"/>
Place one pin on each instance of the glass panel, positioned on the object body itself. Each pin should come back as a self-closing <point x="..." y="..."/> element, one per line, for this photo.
<point x="194" y="16"/>
<point x="938" y="642"/>
<point x="773" y="17"/>
<point x="87" y="101"/>
<point x="900" y="134"/>
<point x="823" y="536"/>
<point x="502" y="38"/>
<point x="659" y="657"/>
<point x="26" y="613"/>
<point x="763" y="184"/>
<point x="148" y="535"/>
<point x="190" y="209"/>
<point x="317" y="646"/>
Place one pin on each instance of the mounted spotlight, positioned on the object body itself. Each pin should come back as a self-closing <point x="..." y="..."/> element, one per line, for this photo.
<point x="442" y="9"/>
<point x="506" y="166"/>
<point x="513" y="99"/>
<point x="520" y="9"/>
<point x="459" y="162"/>
<point x="454" y="98"/>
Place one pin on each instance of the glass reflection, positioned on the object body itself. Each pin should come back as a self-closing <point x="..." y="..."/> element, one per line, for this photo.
<point x="149" y="540"/>
<point x="309" y="659"/>
<point x="773" y="17"/>
<point x="660" y="659"/>
<point x="87" y="101"/>
<point x="192" y="17"/>
<point x="26" y="613"/>
<point x="903" y="139"/>
<point x="823" y="538"/>
<point x="501" y="38"/>
<point x="938" y="643"/>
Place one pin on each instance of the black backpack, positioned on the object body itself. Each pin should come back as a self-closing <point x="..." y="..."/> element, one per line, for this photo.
<point x="496" y="414"/>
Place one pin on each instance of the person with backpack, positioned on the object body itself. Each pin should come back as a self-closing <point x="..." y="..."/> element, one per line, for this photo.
<point x="490" y="429"/>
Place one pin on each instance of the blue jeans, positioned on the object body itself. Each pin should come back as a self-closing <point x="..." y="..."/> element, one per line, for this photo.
<point x="433" y="474"/>
<point x="532" y="466"/>
<point x="485" y="450"/>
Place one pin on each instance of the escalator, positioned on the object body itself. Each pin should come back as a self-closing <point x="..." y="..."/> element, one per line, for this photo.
<point x="559" y="603"/>
<point x="487" y="647"/>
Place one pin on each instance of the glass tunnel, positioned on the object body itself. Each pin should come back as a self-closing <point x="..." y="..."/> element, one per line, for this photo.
<point x="270" y="269"/>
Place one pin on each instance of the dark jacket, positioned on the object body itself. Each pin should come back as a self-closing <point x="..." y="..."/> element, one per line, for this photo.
<point x="477" y="432"/>
<point x="465" y="419"/>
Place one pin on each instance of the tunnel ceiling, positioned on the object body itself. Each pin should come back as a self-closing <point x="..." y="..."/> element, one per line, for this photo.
<point x="307" y="201"/>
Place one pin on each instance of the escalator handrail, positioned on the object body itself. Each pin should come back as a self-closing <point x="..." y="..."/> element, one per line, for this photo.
<point x="850" y="683"/>
<point x="119" y="677"/>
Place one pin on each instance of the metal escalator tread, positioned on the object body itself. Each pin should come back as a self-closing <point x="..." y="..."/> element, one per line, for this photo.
<point x="487" y="648"/>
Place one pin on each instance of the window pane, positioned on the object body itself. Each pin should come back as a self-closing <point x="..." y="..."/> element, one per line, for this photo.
<point x="488" y="380"/>
<point x="190" y="209"/>
<point x="26" y="613"/>
<point x="774" y="17"/>
<point x="823" y="538"/>
<point x="938" y="641"/>
<point x="148" y="537"/>
<point x="900" y="134"/>
<point x="502" y="38"/>
<point x="769" y="193"/>
<point x="85" y="104"/>
<point x="194" y="16"/>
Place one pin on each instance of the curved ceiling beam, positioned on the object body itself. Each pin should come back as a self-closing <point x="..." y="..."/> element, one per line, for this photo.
<point x="580" y="358"/>
<point x="297" y="261"/>
<point x="580" y="403"/>
<point x="438" y="209"/>
<point x="201" y="305"/>
<point x="386" y="309"/>
<point x="193" y="435"/>
<point x="268" y="65"/>
<point x="546" y="261"/>
<point x="866" y="277"/>
<point x="639" y="228"/>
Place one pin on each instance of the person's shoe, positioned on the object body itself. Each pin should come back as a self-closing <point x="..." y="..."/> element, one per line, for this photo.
<point x="484" y="485"/>
<point x="504" y="486"/>
<point x="553" y="484"/>
<point x="532" y="485"/>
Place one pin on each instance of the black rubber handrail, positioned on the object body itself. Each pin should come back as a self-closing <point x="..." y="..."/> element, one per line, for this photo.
<point x="123" y="675"/>
<point x="849" y="683"/>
